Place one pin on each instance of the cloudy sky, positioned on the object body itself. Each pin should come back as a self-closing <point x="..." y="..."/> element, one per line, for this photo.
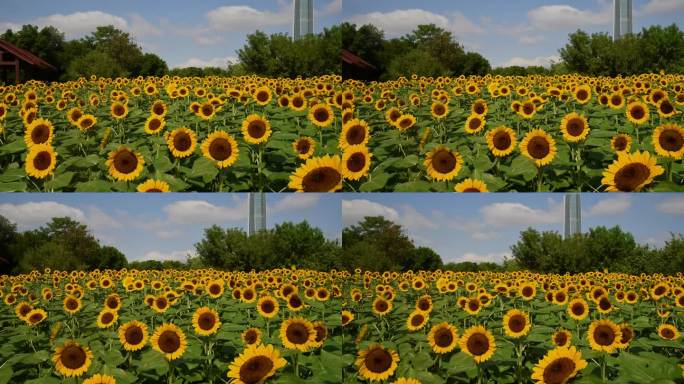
<point x="182" y="32"/>
<point x="165" y="226"/>
<point x="482" y="227"/>
<point x="508" y="32"/>
<point x="208" y="32"/>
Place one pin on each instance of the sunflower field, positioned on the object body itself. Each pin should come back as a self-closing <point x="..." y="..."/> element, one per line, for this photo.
<point x="535" y="133"/>
<point x="513" y="327"/>
<point x="170" y="326"/>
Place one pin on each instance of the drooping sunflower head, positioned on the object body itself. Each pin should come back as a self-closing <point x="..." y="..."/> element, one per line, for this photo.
<point x="40" y="131"/>
<point x="637" y="113"/>
<point x="668" y="141"/>
<point x="170" y="340"/>
<point x="479" y="343"/>
<point x="558" y="366"/>
<point x="443" y="338"/>
<point x="668" y="332"/>
<point x="124" y="164"/>
<point x="621" y="142"/>
<point x="72" y="359"/>
<point x="392" y="115"/>
<point x="318" y="174"/>
<point x="255" y="364"/>
<point x="501" y="141"/>
<point x="631" y="172"/>
<point x="443" y="164"/>
<point x="354" y="132"/>
<point x="304" y="147"/>
<point x="220" y="148"/>
<point x="256" y="129"/>
<point x="471" y="185"/>
<point x="604" y="335"/>
<point x="41" y="161"/>
<point x="356" y="161"/>
<point x="377" y="363"/>
<point x="206" y="321"/>
<point x="298" y="334"/>
<point x="574" y="127"/>
<point x="321" y="115"/>
<point x="539" y="146"/>
<point x="516" y="323"/>
<point x="475" y="123"/>
<point x="251" y="336"/>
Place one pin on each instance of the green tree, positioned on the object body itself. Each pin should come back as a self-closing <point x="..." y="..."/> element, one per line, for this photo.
<point x="96" y="63"/>
<point x="152" y="65"/>
<point x="8" y="236"/>
<point x="221" y="248"/>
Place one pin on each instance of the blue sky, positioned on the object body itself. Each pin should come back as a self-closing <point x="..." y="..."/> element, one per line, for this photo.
<point x="482" y="227"/>
<point x="166" y="226"/>
<point x="209" y="32"/>
<point x="184" y="33"/>
<point x="508" y="32"/>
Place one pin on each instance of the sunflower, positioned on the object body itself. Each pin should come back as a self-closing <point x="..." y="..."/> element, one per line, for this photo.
<point x="206" y="111"/>
<point x="666" y="109"/>
<point x="439" y="110"/>
<point x="118" y="110"/>
<point x="268" y="307"/>
<point x="574" y="127"/>
<point x="321" y="115"/>
<point x="443" y="338"/>
<point x="40" y="131"/>
<point x="251" y="336"/>
<point x="154" y="124"/>
<point x="304" y="147"/>
<point x="71" y="304"/>
<point x="256" y="129"/>
<point x="124" y="164"/>
<point x="527" y="110"/>
<point x="86" y="122"/>
<point x="381" y="307"/>
<point x="181" y="142"/>
<point x="578" y="309"/>
<point x="668" y="141"/>
<point x="637" y="113"/>
<point x="356" y="161"/>
<point x="169" y="340"/>
<point x="582" y="94"/>
<point x="471" y="185"/>
<point x="621" y="142"/>
<point x="41" y="161"/>
<point x="516" y="323"/>
<point x="479" y="343"/>
<point x="107" y="318"/>
<point x="616" y="101"/>
<point x="668" y="332"/>
<point x="604" y="335"/>
<point x="558" y="366"/>
<point x="473" y="306"/>
<point x="443" y="164"/>
<point x="561" y="338"/>
<point x="406" y="380"/>
<point x="405" y="122"/>
<point x="255" y="364"/>
<point x="501" y="141"/>
<point x="133" y="335"/>
<point x="72" y="359"/>
<point x="263" y="95"/>
<point x="539" y="146"/>
<point x="377" y="363"/>
<point x="206" y="321"/>
<point x="627" y="334"/>
<point x="321" y="334"/>
<point x="100" y="379"/>
<point x="347" y="317"/>
<point x="297" y="333"/>
<point x="221" y="148"/>
<point x="318" y="174"/>
<point x="474" y="124"/>
<point x="416" y="320"/>
<point x="152" y="185"/>
<point x="631" y="172"/>
<point x="354" y="132"/>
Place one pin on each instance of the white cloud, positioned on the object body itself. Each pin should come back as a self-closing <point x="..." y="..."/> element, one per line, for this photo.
<point x="170" y="256"/>
<point x="672" y="206"/>
<point x="537" y="61"/>
<point x="662" y="6"/>
<point x="531" y="40"/>
<point x="402" y="21"/>
<point x="555" y="17"/>
<point x="140" y="27"/>
<point x="34" y="214"/>
<point x="520" y="215"/>
<point x="353" y="211"/>
<point x="221" y="62"/>
<point x="79" y="24"/>
<point x="610" y="206"/>
<point x="494" y="257"/>
<point x="296" y="201"/>
<point x="243" y="17"/>
<point x="413" y="220"/>
<point x="333" y="7"/>
<point x="203" y="212"/>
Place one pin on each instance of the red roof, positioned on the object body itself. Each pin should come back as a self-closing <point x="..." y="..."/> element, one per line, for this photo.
<point x="25" y="55"/>
<point x="352" y="59"/>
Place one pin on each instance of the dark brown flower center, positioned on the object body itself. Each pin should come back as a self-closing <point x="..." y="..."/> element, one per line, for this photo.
<point x="206" y="321"/>
<point x="297" y="333"/>
<point x="251" y="336"/>
<point x="321" y="179"/>
<point x="582" y="95"/>
<point x="637" y="112"/>
<point x="417" y="319"/>
<point x="502" y="140"/>
<point x="378" y="360"/>
<point x="73" y="357"/>
<point x="207" y="109"/>
<point x="627" y="335"/>
<point x="169" y="341"/>
<point x="262" y="96"/>
<point x="667" y="333"/>
<point x="620" y="143"/>
<point x="577" y="309"/>
<point x="321" y="332"/>
<point x="42" y="161"/>
<point x="255" y="369"/>
<point x="517" y="323"/>
<point x="256" y="129"/>
<point x="220" y="149"/>
<point x="107" y="318"/>
<point x="474" y="124"/>
<point x="604" y="335"/>
<point x="671" y="140"/>
<point x="575" y="126"/>
<point x="356" y="162"/>
<point x="154" y="125"/>
<point x="321" y="115"/>
<point x="71" y="304"/>
<point x="444" y="337"/>
<point x="538" y="147"/>
<point x="268" y="306"/>
<point x="631" y="176"/>
<point x="479" y="108"/>
<point x="356" y="135"/>
<point x="444" y="161"/>
<point x="125" y="161"/>
<point x="133" y="335"/>
<point x="40" y="134"/>
<point x="559" y="371"/>
<point x="381" y="306"/>
<point x="560" y="338"/>
<point x="478" y="344"/>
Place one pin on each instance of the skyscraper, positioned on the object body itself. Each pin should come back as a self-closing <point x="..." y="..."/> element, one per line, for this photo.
<point x="573" y="215"/>
<point x="257" y="212"/>
<point x="303" y="18"/>
<point x="622" y="22"/>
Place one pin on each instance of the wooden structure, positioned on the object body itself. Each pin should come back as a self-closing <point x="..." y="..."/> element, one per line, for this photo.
<point x="355" y="67"/>
<point x="13" y="57"/>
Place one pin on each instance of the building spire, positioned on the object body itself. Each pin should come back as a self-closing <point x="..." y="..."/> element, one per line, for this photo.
<point x="622" y="22"/>
<point x="303" y="18"/>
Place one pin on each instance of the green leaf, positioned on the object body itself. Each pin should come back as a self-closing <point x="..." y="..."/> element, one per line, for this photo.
<point x="6" y="373"/>
<point x="94" y="186"/>
<point x="16" y="146"/>
<point x="376" y="183"/>
<point x="413" y="186"/>
<point x="523" y="166"/>
<point x="60" y="181"/>
<point x="422" y="361"/>
<point x="205" y="169"/>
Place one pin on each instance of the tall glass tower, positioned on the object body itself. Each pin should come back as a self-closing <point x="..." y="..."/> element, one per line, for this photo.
<point x="303" y="18"/>
<point x="257" y="212"/>
<point x="573" y="215"/>
<point x="622" y="22"/>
